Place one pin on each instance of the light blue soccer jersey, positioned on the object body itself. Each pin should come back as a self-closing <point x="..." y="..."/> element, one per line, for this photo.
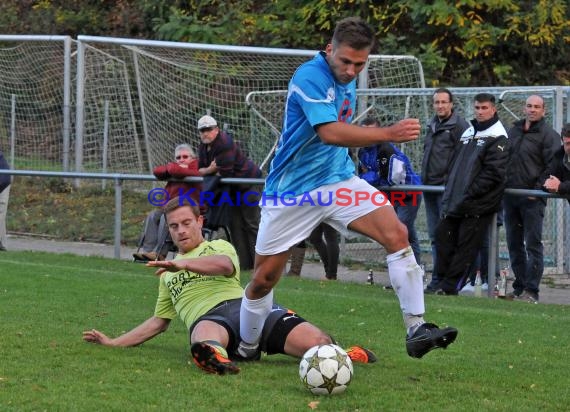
<point x="302" y="161"/>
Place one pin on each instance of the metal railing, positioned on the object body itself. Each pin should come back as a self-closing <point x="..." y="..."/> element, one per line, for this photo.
<point x="563" y="250"/>
<point x="118" y="179"/>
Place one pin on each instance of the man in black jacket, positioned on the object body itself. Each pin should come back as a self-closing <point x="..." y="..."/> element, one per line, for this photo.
<point x="556" y="178"/>
<point x="532" y="144"/>
<point x="444" y="131"/>
<point x="473" y="193"/>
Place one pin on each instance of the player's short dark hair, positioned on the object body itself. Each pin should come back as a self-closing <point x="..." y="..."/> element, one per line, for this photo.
<point x="354" y="32"/>
<point x="565" y="130"/>
<point x="444" y="90"/>
<point x="179" y="202"/>
<point x="485" y="97"/>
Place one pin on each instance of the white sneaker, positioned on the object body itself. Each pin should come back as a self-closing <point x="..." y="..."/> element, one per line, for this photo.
<point x="468" y="289"/>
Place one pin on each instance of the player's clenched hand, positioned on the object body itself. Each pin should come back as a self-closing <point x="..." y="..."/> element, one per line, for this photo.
<point x="94" y="336"/>
<point x="405" y="130"/>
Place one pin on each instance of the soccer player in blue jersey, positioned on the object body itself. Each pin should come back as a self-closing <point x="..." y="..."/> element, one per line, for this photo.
<point x="312" y="180"/>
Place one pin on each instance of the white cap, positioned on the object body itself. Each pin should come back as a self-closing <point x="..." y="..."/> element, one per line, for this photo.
<point x="206" y="121"/>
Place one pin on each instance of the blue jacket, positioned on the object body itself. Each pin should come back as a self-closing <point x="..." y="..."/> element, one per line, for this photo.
<point x="386" y="165"/>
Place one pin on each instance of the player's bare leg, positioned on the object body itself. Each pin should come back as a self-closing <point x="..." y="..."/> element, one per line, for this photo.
<point x="258" y="300"/>
<point x="306" y="335"/>
<point x="406" y="277"/>
<point x="267" y="272"/>
<point x="208" y="348"/>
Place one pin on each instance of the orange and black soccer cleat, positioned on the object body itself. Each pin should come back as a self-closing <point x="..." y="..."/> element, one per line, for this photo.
<point x="361" y="355"/>
<point x="212" y="359"/>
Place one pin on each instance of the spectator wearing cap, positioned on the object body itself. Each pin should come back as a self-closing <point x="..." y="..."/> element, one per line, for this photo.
<point x="556" y="178"/>
<point x="219" y="155"/>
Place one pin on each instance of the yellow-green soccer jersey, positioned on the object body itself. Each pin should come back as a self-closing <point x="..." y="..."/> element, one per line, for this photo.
<point x="189" y="294"/>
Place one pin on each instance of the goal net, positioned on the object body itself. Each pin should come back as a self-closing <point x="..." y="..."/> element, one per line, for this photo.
<point x="266" y="106"/>
<point x="242" y="87"/>
<point x="31" y="96"/>
<point x="178" y="86"/>
<point x="109" y="138"/>
<point x="131" y="102"/>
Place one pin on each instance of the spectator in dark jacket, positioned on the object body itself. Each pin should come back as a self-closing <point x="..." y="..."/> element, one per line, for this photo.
<point x="219" y="154"/>
<point x="556" y="178"/>
<point x="5" y="181"/>
<point x="532" y="146"/>
<point x="155" y="230"/>
<point x="444" y="131"/>
<point x="473" y="193"/>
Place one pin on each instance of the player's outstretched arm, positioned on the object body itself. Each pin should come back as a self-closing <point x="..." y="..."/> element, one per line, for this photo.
<point x="215" y="265"/>
<point x="145" y="331"/>
<point x="348" y="135"/>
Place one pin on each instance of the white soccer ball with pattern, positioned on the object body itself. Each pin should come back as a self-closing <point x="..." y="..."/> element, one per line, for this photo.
<point x="326" y="369"/>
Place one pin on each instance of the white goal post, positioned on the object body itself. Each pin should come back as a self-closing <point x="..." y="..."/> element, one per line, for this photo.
<point x="177" y="83"/>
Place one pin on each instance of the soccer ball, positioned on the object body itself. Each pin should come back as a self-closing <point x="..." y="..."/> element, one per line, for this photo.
<point x="326" y="369"/>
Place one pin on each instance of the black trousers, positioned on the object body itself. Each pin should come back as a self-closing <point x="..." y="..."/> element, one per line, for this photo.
<point x="244" y="225"/>
<point x="458" y="240"/>
<point x="327" y="248"/>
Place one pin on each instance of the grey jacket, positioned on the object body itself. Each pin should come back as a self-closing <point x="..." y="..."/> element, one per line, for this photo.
<point x="440" y="143"/>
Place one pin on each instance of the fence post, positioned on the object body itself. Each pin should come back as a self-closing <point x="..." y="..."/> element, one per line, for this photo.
<point x="13" y="132"/>
<point x="104" y="155"/>
<point x="118" y="211"/>
<point x="79" y="110"/>
<point x="566" y="264"/>
<point x="66" y="102"/>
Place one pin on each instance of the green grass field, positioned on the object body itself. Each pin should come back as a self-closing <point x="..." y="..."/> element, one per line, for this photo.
<point x="509" y="356"/>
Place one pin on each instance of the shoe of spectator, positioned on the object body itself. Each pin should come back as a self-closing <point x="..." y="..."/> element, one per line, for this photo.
<point x="528" y="296"/>
<point x="138" y="257"/>
<point x="485" y="287"/>
<point x="432" y="286"/>
<point x="430" y="291"/>
<point x="153" y="256"/>
<point x="428" y="337"/>
<point x="212" y="359"/>
<point x="468" y="289"/>
<point x="514" y="294"/>
<point x="361" y="355"/>
<point x="442" y="292"/>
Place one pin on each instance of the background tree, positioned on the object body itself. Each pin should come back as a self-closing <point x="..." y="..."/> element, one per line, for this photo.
<point x="460" y="43"/>
<point x="464" y="43"/>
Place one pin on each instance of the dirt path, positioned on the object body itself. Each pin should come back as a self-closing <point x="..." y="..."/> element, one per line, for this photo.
<point x="556" y="295"/>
